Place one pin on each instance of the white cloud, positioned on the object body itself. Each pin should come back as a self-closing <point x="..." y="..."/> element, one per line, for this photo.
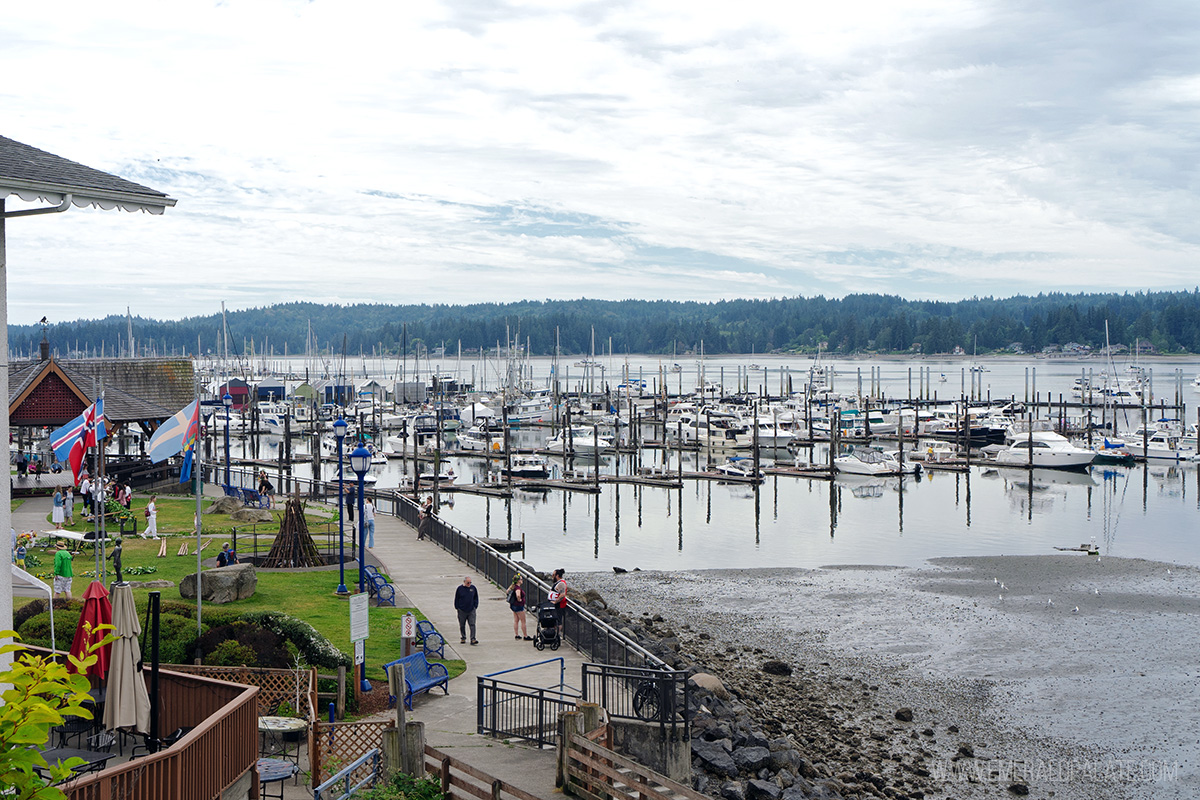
<point x="465" y="151"/>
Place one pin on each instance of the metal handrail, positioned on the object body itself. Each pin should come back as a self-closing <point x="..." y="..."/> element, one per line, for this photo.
<point x="344" y="775"/>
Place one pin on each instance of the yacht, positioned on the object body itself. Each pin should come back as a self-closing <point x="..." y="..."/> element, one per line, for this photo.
<point x="527" y="466"/>
<point x="868" y="461"/>
<point x="1044" y="449"/>
<point x="480" y="440"/>
<point x="740" y="467"/>
<point x="578" y="440"/>
<point x="1160" y="441"/>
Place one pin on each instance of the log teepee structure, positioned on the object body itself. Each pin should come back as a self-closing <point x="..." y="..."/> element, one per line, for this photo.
<point x="293" y="545"/>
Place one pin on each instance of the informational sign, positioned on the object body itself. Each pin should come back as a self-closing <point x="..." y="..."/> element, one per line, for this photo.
<point x="408" y="626"/>
<point x="359" y="603"/>
<point x="360" y="653"/>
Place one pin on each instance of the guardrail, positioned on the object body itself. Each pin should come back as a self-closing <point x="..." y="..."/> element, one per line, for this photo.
<point x="517" y="710"/>
<point x="344" y="775"/>
<point x="649" y="695"/>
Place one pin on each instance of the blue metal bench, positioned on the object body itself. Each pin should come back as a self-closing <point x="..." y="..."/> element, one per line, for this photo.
<point x="432" y="642"/>
<point x="419" y="676"/>
<point x="380" y="589"/>
<point x="251" y="497"/>
<point x="232" y="491"/>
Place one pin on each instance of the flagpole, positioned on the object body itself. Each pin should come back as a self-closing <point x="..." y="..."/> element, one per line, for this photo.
<point x="95" y="518"/>
<point x="198" y="477"/>
<point x="101" y="572"/>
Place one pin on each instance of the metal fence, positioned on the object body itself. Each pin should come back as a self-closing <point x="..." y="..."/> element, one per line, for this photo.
<point x="521" y="711"/>
<point x="649" y="695"/>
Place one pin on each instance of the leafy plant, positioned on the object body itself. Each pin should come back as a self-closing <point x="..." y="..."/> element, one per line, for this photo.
<point x="405" y="787"/>
<point x="41" y="692"/>
<point x="232" y="653"/>
<point x="316" y="649"/>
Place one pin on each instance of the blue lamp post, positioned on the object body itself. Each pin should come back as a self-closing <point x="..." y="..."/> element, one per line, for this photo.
<point x="339" y="431"/>
<point x="227" y="401"/>
<point x="360" y="462"/>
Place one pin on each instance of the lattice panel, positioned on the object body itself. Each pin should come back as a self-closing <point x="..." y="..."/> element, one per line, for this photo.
<point x="275" y="685"/>
<point x="51" y="400"/>
<point x="337" y="744"/>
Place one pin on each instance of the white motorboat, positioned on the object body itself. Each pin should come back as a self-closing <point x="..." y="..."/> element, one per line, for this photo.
<point x="1044" y="449"/>
<point x="479" y="440"/>
<point x="1159" y="442"/>
<point x="739" y="467"/>
<point x="527" y="466"/>
<point x="934" y="450"/>
<point x="868" y="461"/>
<point x="443" y="478"/>
<point x="578" y="440"/>
<point x="771" y="435"/>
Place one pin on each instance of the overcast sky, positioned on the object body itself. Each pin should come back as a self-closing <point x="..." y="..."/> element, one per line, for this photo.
<point x="452" y="152"/>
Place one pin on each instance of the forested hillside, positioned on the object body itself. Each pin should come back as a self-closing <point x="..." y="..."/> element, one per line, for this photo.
<point x="1170" y="321"/>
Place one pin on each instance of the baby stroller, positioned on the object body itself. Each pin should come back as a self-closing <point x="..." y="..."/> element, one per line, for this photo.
<point x="547" y="627"/>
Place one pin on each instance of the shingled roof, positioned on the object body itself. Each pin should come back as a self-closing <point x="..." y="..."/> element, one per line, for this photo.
<point x="135" y="390"/>
<point x="34" y="174"/>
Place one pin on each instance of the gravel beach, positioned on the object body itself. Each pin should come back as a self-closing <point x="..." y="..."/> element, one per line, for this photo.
<point x="1070" y="676"/>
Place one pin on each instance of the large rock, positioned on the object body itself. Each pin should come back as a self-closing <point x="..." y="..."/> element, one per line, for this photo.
<point x="251" y="515"/>
<point x="224" y="505"/>
<point x="751" y="759"/>
<point x="763" y="790"/>
<point x="711" y="683"/>
<point x="714" y="758"/>
<point x="223" y="584"/>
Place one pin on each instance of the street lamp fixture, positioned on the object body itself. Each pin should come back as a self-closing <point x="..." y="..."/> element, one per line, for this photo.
<point x="227" y="401"/>
<point x="339" y="431"/>
<point x="360" y="462"/>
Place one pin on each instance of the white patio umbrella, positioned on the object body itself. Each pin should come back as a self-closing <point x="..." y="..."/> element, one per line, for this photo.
<point x="126" y="703"/>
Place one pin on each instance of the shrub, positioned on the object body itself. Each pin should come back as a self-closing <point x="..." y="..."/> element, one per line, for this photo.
<point x="176" y="639"/>
<point x="35" y="607"/>
<point x="232" y="653"/>
<point x="266" y="647"/>
<point x="316" y="649"/>
<point x="36" y="630"/>
<point x="405" y="787"/>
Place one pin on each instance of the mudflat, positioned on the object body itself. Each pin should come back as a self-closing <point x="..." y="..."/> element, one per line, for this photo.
<point x="1068" y="674"/>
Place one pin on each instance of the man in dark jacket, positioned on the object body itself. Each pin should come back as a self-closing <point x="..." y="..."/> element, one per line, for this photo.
<point x="466" y="600"/>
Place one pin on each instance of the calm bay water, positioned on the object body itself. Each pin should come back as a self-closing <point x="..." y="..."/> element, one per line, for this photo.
<point x="1140" y="511"/>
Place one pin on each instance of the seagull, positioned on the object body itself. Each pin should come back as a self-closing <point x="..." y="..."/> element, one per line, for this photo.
<point x="1001" y="597"/>
<point x="1076" y="610"/>
<point x="1096" y="592"/>
<point x="1168" y="570"/>
<point x="1050" y="601"/>
<point x="995" y="580"/>
<point x="1005" y="588"/>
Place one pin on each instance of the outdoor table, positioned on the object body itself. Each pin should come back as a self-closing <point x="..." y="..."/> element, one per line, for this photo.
<point x="271" y="770"/>
<point x="94" y="759"/>
<point x="272" y="731"/>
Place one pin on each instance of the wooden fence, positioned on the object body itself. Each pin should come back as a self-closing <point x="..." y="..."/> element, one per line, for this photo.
<point x="275" y="685"/>
<point x="596" y="773"/>
<point x="334" y="745"/>
<point x="461" y="781"/>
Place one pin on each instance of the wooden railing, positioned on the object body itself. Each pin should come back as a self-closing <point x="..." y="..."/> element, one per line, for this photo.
<point x="461" y="781"/>
<point x="219" y="750"/>
<point x="596" y="773"/>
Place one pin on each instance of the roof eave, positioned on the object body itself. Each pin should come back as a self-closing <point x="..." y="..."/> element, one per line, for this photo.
<point x="32" y="191"/>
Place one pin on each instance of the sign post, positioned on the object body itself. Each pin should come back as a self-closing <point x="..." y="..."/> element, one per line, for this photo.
<point x="408" y="634"/>
<point x="359" y="631"/>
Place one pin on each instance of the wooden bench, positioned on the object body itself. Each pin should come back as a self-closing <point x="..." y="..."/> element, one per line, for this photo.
<point x="419" y="676"/>
<point x="432" y="642"/>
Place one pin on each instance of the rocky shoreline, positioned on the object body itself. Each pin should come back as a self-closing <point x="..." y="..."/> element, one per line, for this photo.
<point x="850" y="689"/>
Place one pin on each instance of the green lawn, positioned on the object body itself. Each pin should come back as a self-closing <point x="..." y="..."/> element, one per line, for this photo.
<point x="177" y="515"/>
<point x="306" y="595"/>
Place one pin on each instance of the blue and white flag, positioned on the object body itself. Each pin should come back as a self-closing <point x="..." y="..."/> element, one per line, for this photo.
<point x="172" y="436"/>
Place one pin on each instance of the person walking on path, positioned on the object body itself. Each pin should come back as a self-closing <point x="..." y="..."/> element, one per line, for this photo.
<point x="466" y="601"/>
<point x="151" y="519"/>
<point x="58" y="515"/>
<point x="516" y="601"/>
<point x="426" y="519"/>
<point x="369" y="521"/>
<point x="62" y="571"/>
<point x="85" y="491"/>
<point x="558" y="596"/>
<point x="69" y="506"/>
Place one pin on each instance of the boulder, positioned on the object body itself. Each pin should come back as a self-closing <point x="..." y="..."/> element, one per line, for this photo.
<point x="223" y="584"/>
<point x="251" y="515"/>
<point x="158" y="584"/>
<point x="710" y="682"/>
<point x="751" y="759"/>
<point x="763" y="790"/>
<point x="713" y="757"/>
<point x="224" y="505"/>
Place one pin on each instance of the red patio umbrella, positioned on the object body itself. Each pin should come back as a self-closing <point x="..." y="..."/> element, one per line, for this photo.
<point x="97" y="610"/>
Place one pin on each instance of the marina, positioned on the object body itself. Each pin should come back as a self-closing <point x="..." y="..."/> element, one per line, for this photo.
<point x="651" y="501"/>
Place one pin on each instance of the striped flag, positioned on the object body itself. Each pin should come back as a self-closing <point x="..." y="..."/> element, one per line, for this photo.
<point x="71" y="442"/>
<point x="177" y="435"/>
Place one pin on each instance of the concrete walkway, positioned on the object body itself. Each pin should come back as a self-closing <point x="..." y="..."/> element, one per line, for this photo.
<point x="428" y="576"/>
